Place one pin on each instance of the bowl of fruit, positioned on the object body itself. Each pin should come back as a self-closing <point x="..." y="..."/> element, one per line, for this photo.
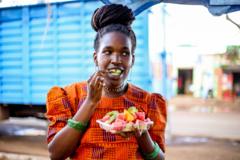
<point x="127" y="121"/>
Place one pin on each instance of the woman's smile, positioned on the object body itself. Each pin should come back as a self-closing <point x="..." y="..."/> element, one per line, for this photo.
<point x="115" y="73"/>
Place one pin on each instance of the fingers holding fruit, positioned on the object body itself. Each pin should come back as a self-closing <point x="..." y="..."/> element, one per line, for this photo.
<point x="95" y="85"/>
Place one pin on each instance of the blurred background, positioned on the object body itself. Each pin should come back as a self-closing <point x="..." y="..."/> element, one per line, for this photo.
<point x="184" y="52"/>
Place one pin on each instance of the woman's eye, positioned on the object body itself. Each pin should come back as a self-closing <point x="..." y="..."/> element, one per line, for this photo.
<point x="106" y="52"/>
<point x="125" y="53"/>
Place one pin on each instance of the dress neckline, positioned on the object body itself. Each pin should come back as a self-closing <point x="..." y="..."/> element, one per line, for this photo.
<point x="123" y="95"/>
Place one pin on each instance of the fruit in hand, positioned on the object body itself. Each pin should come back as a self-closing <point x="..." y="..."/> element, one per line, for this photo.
<point x="132" y="110"/>
<point x="127" y="121"/>
<point x="140" y="115"/>
<point x="105" y="118"/>
<point x="129" y="127"/>
<point x="119" y="124"/>
<point x="121" y="116"/>
<point x="113" y="115"/>
<point x="128" y="116"/>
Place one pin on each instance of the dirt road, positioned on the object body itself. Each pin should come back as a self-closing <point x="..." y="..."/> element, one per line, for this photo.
<point x="223" y="125"/>
<point x="212" y="149"/>
<point x="191" y="136"/>
<point x="180" y="148"/>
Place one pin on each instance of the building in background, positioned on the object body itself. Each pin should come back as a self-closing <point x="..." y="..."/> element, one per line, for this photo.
<point x="206" y="75"/>
<point x="194" y="42"/>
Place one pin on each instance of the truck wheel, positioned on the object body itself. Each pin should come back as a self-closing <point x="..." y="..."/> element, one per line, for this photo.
<point x="4" y="112"/>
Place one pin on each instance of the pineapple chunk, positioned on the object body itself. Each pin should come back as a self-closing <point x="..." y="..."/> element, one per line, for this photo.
<point x="128" y="116"/>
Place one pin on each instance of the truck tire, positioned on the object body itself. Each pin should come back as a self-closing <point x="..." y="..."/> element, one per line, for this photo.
<point x="4" y="112"/>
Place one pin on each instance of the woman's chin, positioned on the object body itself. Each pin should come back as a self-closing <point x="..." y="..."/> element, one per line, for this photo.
<point x="114" y="81"/>
<point x="112" y="77"/>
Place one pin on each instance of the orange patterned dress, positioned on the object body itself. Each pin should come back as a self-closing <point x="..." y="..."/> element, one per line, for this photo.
<point x="63" y="103"/>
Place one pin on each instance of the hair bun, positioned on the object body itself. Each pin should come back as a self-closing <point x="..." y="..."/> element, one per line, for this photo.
<point x="112" y="14"/>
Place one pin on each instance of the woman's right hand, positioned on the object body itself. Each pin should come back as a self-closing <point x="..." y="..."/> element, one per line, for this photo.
<point x="94" y="87"/>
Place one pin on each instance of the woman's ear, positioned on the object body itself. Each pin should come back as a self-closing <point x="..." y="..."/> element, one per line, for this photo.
<point x="95" y="58"/>
<point x="133" y="59"/>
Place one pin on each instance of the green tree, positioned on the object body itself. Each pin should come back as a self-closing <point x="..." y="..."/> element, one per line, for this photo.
<point x="233" y="53"/>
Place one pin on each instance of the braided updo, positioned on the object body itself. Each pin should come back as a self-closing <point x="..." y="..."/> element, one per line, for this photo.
<point x="113" y="18"/>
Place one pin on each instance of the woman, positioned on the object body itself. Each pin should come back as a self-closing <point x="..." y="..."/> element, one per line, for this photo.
<point x="73" y="110"/>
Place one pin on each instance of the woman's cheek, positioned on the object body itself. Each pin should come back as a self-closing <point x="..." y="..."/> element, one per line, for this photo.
<point x="103" y="65"/>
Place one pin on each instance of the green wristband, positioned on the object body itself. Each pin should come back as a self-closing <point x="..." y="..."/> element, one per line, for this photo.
<point x="79" y="126"/>
<point x="154" y="153"/>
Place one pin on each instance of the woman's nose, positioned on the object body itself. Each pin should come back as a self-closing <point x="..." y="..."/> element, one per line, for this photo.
<point x="115" y="58"/>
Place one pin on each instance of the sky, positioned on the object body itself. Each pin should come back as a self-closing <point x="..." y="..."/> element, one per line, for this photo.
<point x="187" y="25"/>
<point x="195" y="25"/>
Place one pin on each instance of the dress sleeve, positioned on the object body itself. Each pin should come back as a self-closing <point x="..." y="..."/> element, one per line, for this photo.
<point x="58" y="111"/>
<point x="157" y="112"/>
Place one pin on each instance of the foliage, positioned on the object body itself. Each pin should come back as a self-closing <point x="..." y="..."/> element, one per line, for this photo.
<point x="233" y="53"/>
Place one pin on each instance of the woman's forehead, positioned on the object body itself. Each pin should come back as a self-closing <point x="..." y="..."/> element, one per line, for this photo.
<point x="115" y="39"/>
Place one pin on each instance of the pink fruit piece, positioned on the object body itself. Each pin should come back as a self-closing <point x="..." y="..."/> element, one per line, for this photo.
<point x="118" y="125"/>
<point x="140" y="115"/>
<point x="141" y="125"/>
<point x="121" y="116"/>
<point x="120" y="120"/>
<point x="105" y="118"/>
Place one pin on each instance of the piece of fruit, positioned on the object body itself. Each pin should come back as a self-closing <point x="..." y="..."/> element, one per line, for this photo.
<point x="132" y="110"/>
<point x="105" y="118"/>
<point x="120" y="120"/>
<point x="127" y="121"/>
<point x="140" y="115"/>
<point x="112" y="115"/>
<point x="115" y="72"/>
<point x="128" y="116"/>
<point x="121" y="116"/>
<point x="118" y="125"/>
<point x="128" y="127"/>
<point x="140" y="125"/>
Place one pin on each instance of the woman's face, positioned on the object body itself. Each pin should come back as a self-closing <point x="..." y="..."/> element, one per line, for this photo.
<point x="114" y="56"/>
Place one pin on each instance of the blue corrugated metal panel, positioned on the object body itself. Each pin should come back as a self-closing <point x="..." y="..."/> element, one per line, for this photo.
<point x="25" y="56"/>
<point x="42" y="46"/>
<point x="11" y="56"/>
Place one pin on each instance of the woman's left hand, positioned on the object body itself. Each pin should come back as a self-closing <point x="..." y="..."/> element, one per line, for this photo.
<point x="137" y="133"/>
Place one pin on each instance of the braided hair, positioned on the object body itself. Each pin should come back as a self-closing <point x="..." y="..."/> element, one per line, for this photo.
<point x="113" y="18"/>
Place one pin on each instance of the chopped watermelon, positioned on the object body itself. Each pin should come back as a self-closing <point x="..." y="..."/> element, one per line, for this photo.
<point x="126" y="121"/>
<point x="140" y="115"/>
<point x="105" y="118"/>
<point x="121" y="116"/>
<point x="118" y="126"/>
<point x="120" y="120"/>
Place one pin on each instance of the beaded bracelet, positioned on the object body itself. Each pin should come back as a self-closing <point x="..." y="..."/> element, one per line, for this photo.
<point x="79" y="126"/>
<point x="154" y="153"/>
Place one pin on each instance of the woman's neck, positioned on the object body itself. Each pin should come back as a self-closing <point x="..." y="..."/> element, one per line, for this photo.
<point x="115" y="91"/>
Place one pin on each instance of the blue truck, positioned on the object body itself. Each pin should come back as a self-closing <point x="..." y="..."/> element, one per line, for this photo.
<point x="52" y="44"/>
